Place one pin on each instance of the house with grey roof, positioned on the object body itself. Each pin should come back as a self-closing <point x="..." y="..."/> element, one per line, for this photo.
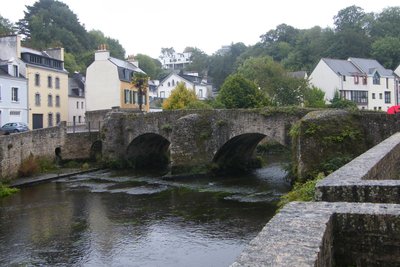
<point x="201" y="87"/>
<point x="363" y="81"/>
<point x="13" y="93"/>
<point x="108" y="84"/>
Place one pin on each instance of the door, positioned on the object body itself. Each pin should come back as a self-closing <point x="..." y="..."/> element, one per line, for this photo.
<point x="37" y="121"/>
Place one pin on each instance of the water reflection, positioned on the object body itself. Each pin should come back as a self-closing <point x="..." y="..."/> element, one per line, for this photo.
<point x="117" y="219"/>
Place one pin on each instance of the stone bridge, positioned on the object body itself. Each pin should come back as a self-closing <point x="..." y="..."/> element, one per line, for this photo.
<point x="194" y="140"/>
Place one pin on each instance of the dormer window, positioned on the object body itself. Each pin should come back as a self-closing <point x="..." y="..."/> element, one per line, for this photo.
<point x="364" y="80"/>
<point x="356" y="80"/>
<point x="376" y="78"/>
<point x="16" y="71"/>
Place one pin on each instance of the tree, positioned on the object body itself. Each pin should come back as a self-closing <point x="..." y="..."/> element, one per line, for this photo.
<point x="314" y="98"/>
<point x="386" y="23"/>
<point x="6" y="26"/>
<point x="387" y="51"/>
<point x="180" y="98"/>
<point x="200" y="61"/>
<point x="239" y="92"/>
<point x="141" y="82"/>
<point x="150" y="65"/>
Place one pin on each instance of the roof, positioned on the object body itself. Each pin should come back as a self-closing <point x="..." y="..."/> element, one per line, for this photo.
<point x="33" y="51"/>
<point x="125" y="64"/>
<point x="369" y="66"/>
<point x="342" y="67"/>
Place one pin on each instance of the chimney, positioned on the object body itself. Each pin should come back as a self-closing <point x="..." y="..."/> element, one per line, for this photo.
<point x="10" y="46"/>
<point x="56" y="53"/>
<point x="102" y="53"/>
<point x="131" y="59"/>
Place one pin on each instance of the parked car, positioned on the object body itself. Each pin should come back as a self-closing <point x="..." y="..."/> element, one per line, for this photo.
<point x="14" y="127"/>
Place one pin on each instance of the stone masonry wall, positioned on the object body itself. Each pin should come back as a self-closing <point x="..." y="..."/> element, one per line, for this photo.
<point x="328" y="136"/>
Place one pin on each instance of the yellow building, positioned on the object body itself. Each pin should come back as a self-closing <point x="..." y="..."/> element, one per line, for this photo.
<point x="47" y="87"/>
<point x="47" y="81"/>
<point x="108" y="84"/>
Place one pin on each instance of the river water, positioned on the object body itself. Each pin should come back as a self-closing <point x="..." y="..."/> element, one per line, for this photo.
<point x="124" y="219"/>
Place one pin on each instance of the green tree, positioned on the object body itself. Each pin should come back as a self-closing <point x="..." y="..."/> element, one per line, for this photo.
<point x="314" y="98"/>
<point x="386" y="23"/>
<point x="180" y="98"/>
<point x="151" y="66"/>
<point x="387" y="51"/>
<point x="239" y="92"/>
<point x="6" y="26"/>
<point x="200" y="61"/>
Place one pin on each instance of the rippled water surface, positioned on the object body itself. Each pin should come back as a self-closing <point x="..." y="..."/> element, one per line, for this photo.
<point x="123" y="219"/>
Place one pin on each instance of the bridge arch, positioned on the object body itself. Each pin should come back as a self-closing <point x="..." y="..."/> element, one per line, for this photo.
<point x="149" y="150"/>
<point x="96" y="150"/>
<point x="237" y="153"/>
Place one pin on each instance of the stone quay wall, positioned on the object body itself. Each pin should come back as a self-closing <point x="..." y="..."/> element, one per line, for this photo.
<point x="47" y="142"/>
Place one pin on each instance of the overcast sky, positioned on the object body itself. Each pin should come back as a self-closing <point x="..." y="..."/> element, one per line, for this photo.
<point x="148" y="25"/>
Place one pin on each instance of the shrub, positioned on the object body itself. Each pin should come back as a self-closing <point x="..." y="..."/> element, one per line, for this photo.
<point x="29" y="167"/>
<point x="6" y="191"/>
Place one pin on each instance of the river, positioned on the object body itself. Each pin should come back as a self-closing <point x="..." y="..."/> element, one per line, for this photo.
<point x="124" y="219"/>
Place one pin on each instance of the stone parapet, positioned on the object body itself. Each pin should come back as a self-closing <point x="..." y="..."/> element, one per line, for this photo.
<point x="371" y="177"/>
<point x="327" y="234"/>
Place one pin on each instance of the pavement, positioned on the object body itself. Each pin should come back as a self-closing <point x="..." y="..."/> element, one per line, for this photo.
<point x="44" y="177"/>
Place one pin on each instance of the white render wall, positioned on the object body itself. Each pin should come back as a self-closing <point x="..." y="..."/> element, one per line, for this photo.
<point x="75" y="109"/>
<point x="102" y="85"/>
<point x="165" y="88"/>
<point x="324" y="78"/>
<point x="7" y="106"/>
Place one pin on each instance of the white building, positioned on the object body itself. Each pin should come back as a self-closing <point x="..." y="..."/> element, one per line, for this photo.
<point x="108" y="84"/>
<point x="13" y="93"/>
<point x="363" y="81"/>
<point x="76" y="99"/>
<point x="202" y="89"/>
<point x="176" y="60"/>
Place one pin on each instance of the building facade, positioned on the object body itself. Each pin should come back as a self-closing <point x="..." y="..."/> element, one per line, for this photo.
<point x="363" y="81"/>
<point x="76" y="99"/>
<point x="108" y="84"/>
<point x="176" y="61"/>
<point x="13" y="93"/>
<point x="47" y="81"/>
<point x="202" y="89"/>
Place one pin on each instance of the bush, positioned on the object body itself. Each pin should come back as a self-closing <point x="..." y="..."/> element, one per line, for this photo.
<point x="301" y="191"/>
<point x="29" y="167"/>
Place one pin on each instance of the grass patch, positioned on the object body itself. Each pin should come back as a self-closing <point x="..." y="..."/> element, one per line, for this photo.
<point x="301" y="191"/>
<point x="6" y="191"/>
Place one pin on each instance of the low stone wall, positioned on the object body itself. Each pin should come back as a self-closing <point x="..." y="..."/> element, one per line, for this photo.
<point x="327" y="234"/>
<point x="15" y="148"/>
<point x="372" y="177"/>
<point x="323" y="138"/>
<point x="47" y="142"/>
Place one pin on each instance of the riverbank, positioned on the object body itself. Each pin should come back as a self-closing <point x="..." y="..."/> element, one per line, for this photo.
<point x="44" y="177"/>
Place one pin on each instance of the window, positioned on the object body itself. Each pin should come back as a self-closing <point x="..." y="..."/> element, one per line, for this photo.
<point x="37" y="79"/>
<point x="58" y="118"/>
<point x="49" y="100"/>
<point x="169" y="84"/>
<point x="79" y="119"/>
<point x="15" y="113"/>
<point x="360" y="97"/>
<point x="77" y="104"/>
<point x="387" y="83"/>
<point x="173" y="82"/>
<point x="37" y="99"/>
<point x="376" y="79"/>
<point x="380" y="95"/>
<point x="373" y="95"/>
<point x="0" y="93"/>
<point x="379" y="108"/>
<point x="82" y="105"/>
<point x="356" y="79"/>
<point x="57" y="83"/>
<point x="344" y="78"/>
<point x="162" y="94"/>
<point x="14" y="94"/>
<point x="364" y="80"/>
<point x="16" y="72"/>
<point x="57" y="100"/>
<point x="126" y="96"/>
<point x="49" y="82"/>
<point x="200" y="93"/>
<point x="387" y="97"/>
<point x="50" y="119"/>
